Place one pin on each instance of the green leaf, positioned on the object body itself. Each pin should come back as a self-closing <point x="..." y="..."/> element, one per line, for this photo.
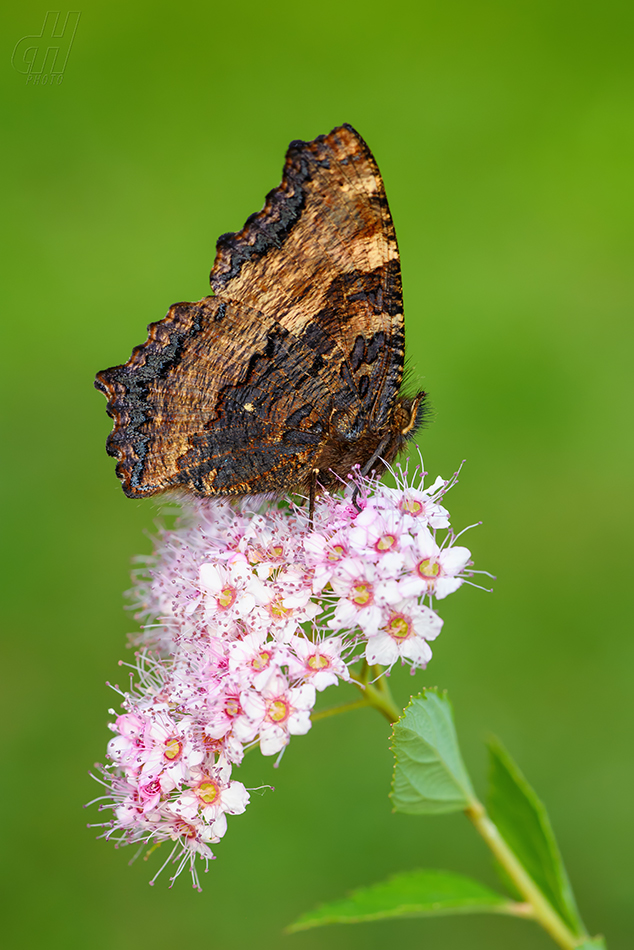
<point x="429" y="776"/>
<point x="523" y="822"/>
<point x="597" y="943"/>
<point x="412" y="894"/>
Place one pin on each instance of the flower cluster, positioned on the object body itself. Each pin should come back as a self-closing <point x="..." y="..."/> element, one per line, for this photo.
<point x="248" y="611"/>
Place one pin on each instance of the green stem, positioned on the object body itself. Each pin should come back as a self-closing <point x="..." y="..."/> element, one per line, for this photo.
<point x="341" y="708"/>
<point x="378" y="694"/>
<point x="542" y="912"/>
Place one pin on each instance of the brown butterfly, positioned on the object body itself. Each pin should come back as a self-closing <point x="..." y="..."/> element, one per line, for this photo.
<point x="290" y="373"/>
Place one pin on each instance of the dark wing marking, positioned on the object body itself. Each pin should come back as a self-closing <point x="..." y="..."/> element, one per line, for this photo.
<point x="323" y="251"/>
<point x="235" y="405"/>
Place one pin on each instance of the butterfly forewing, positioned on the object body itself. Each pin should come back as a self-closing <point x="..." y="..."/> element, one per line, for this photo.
<point x="323" y="253"/>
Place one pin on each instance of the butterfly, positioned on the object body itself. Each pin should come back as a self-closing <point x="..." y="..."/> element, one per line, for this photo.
<point x="289" y="374"/>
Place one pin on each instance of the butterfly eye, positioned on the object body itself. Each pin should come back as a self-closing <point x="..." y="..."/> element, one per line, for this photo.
<point x="410" y="413"/>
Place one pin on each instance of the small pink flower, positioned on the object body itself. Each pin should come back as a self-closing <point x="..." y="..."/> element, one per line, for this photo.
<point x="127" y="748"/>
<point x="318" y="663"/>
<point x="280" y="712"/>
<point x="435" y="570"/>
<point x="418" y="506"/>
<point x="226" y="717"/>
<point x="405" y="634"/>
<point x="231" y="591"/>
<point x="252" y="658"/>
<point x="362" y="596"/>
<point x="378" y="534"/>
<point x="211" y="796"/>
<point x="168" y="752"/>
<point x="150" y="795"/>
<point x="323" y="554"/>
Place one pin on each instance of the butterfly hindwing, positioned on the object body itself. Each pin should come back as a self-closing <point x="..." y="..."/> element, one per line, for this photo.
<point x="207" y="406"/>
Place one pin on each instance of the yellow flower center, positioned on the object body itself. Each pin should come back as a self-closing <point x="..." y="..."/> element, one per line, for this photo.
<point x="398" y="627"/>
<point x="428" y="568"/>
<point x="336" y="552"/>
<point x="172" y="750"/>
<point x="184" y="828"/>
<point x="261" y="661"/>
<point x="227" y="597"/>
<point x="278" y="710"/>
<point x="207" y="792"/>
<point x="410" y="506"/>
<point x="386" y="543"/>
<point x="361" y="595"/>
<point x="232" y="707"/>
<point x="317" y="662"/>
<point x="277" y="609"/>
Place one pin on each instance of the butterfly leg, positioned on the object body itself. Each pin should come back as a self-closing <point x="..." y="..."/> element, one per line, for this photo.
<point x="314" y="475"/>
<point x="367" y="468"/>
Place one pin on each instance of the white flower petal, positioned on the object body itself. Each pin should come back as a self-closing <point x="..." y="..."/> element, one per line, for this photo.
<point x="253" y="704"/>
<point x="299" y="723"/>
<point x="219" y="826"/>
<point x="303" y="697"/>
<point x="244" y="604"/>
<point x="446" y="586"/>
<point x="235" y="798"/>
<point x="209" y="578"/>
<point x="381" y="649"/>
<point x="327" y="678"/>
<point x="417" y="650"/>
<point x="453" y="560"/>
<point x="436" y="487"/>
<point x="273" y="740"/>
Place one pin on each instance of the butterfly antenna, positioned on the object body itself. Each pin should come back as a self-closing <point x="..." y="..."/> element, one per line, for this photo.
<point x="314" y="475"/>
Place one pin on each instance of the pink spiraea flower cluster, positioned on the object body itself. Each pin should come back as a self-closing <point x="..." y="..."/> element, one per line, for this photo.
<point x="248" y="612"/>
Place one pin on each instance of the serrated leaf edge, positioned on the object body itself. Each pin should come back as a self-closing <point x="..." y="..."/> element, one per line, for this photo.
<point x="444" y="697"/>
<point x="501" y="906"/>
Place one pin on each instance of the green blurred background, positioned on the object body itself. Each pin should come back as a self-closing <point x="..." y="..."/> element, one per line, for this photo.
<point x="505" y="134"/>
